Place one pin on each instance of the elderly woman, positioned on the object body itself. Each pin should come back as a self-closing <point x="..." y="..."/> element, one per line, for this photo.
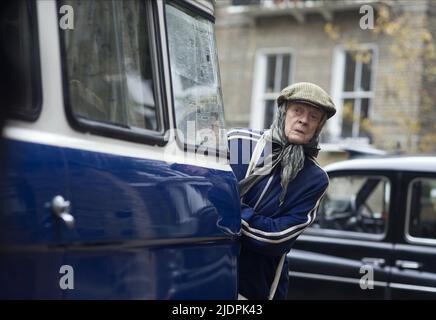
<point x="281" y="186"/>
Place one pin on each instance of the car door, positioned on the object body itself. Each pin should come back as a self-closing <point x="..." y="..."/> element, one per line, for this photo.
<point x="346" y="253"/>
<point x="414" y="267"/>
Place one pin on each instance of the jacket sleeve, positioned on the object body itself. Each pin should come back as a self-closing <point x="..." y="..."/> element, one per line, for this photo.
<point x="241" y="143"/>
<point x="274" y="236"/>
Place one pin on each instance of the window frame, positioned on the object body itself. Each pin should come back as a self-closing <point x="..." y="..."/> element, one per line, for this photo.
<point x="409" y="238"/>
<point x="193" y="7"/>
<point x="259" y="96"/>
<point x="140" y="135"/>
<point x="334" y="233"/>
<point x="35" y="64"/>
<point x="338" y="93"/>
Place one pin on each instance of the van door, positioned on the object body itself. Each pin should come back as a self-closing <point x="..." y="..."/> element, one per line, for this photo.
<point x="414" y="269"/>
<point x="33" y="171"/>
<point x="150" y="223"/>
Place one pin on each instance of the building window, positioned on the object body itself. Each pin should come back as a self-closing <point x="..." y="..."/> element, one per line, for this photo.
<point x="273" y="73"/>
<point x="357" y="94"/>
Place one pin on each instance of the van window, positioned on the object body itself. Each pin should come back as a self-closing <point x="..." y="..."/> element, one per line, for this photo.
<point x="21" y="81"/>
<point x="422" y="209"/>
<point x="196" y="84"/>
<point x="355" y="204"/>
<point x="108" y="60"/>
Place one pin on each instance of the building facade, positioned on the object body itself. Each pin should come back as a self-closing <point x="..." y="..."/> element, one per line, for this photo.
<point x="375" y="58"/>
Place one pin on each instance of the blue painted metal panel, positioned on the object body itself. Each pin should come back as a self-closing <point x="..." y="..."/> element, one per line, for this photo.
<point x="144" y="229"/>
<point x="32" y="175"/>
<point x="118" y="198"/>
<point x="30" y="235"/>
<point x="31" y="273"/>
<point x="206" y="271"/>
<point x="177" y="224"/>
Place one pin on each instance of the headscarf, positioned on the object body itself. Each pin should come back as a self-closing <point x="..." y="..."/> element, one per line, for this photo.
<point x="290" y="156"/>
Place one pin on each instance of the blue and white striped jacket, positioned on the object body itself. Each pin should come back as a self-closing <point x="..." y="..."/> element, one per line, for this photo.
<point x="269" y="231"/>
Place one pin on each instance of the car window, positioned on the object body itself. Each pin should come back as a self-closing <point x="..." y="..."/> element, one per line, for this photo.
<point x="422" y="209"/>
<point x="108" y="59"/>
<point x="355" y="204"/>
<point x="195" y="79"/>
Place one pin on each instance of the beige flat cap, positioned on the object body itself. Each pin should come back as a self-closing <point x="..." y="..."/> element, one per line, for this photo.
<point x="308" y="93"/>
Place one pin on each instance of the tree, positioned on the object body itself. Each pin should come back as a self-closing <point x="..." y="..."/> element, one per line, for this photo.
<point x="413" y="54"/>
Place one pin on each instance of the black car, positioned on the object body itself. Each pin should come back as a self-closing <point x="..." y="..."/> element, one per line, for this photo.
<point x="375" y="233"/>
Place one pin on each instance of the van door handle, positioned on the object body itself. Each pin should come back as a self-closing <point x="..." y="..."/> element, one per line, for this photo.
<point x="61" y="209"/>
<point x="377" y="262"/>
<point x="405" y="264"/>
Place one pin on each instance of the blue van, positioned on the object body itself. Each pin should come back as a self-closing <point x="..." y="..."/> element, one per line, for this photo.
<point x="112" y="187"/>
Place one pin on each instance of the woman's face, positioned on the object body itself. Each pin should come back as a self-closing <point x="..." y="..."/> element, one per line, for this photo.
<point x="301" y="122"/>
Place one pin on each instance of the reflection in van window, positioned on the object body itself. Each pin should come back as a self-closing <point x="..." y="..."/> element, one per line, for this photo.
<point x="422" y="222"/>
<point x="21" y="90"/>
<point x="195" y="78"/>
<point x="109" y="63"/>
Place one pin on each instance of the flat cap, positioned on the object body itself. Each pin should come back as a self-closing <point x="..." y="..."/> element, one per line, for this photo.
<point x="308" y="93"/>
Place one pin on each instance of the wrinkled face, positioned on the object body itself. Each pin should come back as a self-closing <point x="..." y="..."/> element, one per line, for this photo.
<point x="301" y="123"/>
